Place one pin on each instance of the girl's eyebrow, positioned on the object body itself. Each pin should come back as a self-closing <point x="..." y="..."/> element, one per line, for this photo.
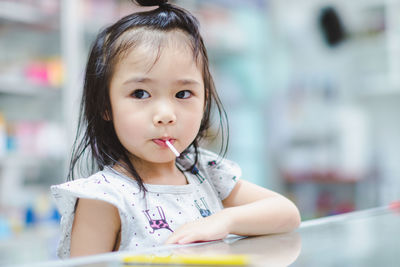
<point x="148" y="80"/>
<point x="187" y="82"/>
<point x="138" y="80"/>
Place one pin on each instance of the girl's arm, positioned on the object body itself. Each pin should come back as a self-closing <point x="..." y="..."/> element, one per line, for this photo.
<point x="254" y="210"/>
<point x="95" y="229"/>
<point x="249" y="210"/>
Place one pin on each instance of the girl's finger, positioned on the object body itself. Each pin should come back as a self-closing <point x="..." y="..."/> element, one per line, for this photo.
<point x="174" y="238"/>
<point x="187" y="240"/>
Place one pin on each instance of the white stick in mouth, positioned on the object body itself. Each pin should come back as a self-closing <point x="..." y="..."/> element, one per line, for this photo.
<point x="172" y="148"/>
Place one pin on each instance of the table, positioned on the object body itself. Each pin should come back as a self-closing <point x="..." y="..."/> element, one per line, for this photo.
<point x="363" y="238"/>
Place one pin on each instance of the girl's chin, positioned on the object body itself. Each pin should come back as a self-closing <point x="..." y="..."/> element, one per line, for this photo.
<point x="155" y="159"/>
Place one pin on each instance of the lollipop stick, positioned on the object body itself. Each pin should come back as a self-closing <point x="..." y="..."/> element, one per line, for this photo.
<point x="172" y="148"/>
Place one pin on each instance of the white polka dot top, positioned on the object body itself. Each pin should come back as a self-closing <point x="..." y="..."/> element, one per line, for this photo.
<point x="148" y="221"/>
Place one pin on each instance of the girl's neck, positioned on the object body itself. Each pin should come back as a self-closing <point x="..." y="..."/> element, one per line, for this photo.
<point x="166" y="173"/>
<point x="158" y="173"/>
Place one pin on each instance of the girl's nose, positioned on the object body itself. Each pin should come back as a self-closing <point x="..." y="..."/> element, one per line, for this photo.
<point x="164" y="115"/>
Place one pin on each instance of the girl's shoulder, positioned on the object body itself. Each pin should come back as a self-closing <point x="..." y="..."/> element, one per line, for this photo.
<point x="210" y="162"/>
<point x="220" y="172"/>
<point x="211" y="159"/>
<point x="104" y="185"/>
<point x="106" y="179"/>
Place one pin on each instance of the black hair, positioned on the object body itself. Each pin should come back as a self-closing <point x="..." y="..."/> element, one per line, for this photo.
<point x="96" y="143"/>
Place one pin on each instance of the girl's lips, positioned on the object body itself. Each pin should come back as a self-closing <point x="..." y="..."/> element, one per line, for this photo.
<point x="161" y="142"/>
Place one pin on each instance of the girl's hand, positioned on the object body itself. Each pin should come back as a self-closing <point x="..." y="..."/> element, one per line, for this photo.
<point x="249" y="210"/>
<point x="214" y="227"/>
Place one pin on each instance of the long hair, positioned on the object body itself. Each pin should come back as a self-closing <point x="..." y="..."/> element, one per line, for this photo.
<point x="96" y="144"/>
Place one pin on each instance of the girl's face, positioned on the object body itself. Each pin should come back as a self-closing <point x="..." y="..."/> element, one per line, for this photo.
<point x="157" y="99"/>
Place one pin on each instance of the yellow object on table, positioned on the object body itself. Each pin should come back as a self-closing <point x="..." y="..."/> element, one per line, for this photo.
<point x="188" y="260"/>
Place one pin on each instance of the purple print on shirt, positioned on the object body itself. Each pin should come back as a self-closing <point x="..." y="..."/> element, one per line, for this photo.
<point x="157" y="224"/>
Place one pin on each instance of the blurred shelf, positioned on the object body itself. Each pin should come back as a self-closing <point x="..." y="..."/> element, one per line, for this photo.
<point x="23" y="88"/>
<point x="319" y="178"/>
<point x="374" y="3"/>
<point x="380" y="94"/>
<point x="378" y="87"/>
<point x="36" y="244"/>
<point x="19" y="159"/>
<point x="18" y="12"/>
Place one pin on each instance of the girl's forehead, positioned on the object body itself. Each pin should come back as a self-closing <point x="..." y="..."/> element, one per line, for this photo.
<point x="144" y="48"/>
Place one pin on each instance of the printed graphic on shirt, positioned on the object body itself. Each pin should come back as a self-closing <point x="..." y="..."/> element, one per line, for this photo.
<point x="158" y="223"/>
<point x="203" y="212"/>
<point x="212" y="163"/>
<point x="99" y="180"/>
<point x="196" y="172"/>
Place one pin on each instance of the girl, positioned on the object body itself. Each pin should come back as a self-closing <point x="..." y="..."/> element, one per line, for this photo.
<point x="147" y="82"/>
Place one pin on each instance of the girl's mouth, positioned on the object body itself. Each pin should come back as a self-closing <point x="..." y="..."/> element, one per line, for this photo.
<point x="161" y="142"/>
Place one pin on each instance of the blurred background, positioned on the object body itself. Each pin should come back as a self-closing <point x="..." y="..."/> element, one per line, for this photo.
<point x="311" y="88"/>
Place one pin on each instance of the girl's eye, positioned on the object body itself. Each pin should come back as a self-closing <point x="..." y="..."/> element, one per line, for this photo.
<point x="140" y="94"/>
<point x="183" y="94"/>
